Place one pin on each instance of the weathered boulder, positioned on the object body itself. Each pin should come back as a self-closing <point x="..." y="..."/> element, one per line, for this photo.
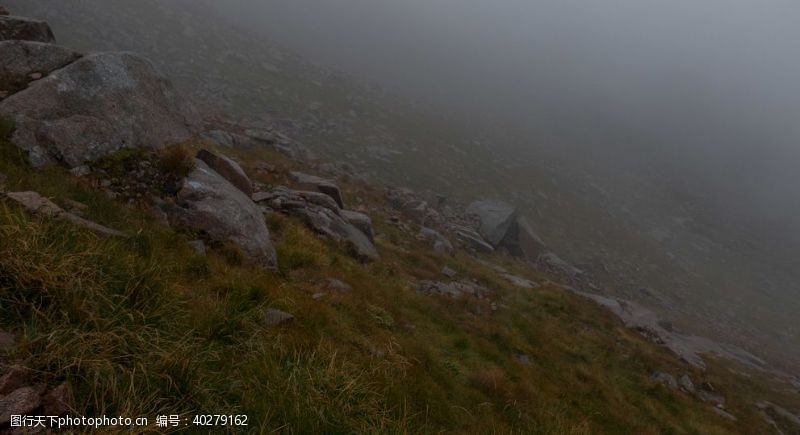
<point x="208" y="203"/>
<point x="495" y="219"/>
<point x="338" y="285"/>
<point x="312" y="182"/>
<point x="360" y="221"/>
<point x="57" y="401"/>
<point x="440" y="244"/>
<point x="24" y="61"/>
<point x="229" y="170"/>
<point x="322" y="216"/>
<point x="686" y="384"/>
<point x="25" y="29"/>
<point x="95" y="106"/>
<point x="523" y="242"/>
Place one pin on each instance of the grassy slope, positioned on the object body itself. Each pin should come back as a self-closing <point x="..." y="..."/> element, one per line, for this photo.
<point x="144" y="327"/>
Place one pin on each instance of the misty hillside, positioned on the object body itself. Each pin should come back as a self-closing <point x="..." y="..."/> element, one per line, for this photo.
<point x="198" y="217"/>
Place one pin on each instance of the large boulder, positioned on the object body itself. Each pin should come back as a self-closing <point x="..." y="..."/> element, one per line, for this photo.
<point x="24" y="61"/>
<point x="360" y="221"/>
<point x="495" y="219"/>
<point x="229" y="169"/>
<point x="95" y="106"/>
<point x="25" y="29"/>
<point x="210" y="204"/>
<point x="312" y="182"/>
<point x="522" y="241"/>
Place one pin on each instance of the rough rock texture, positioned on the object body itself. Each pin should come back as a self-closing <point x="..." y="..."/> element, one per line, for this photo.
<point x="21" y="401"/>
<point x="95" y="106"/>
<point x="273" y="317"/>
<point x="495" y="219"/>
<point x="312" y="182"/>
<point x="338" y="285"/>
<point x="360" y="221"/>
<point x="25" y="29"/>
<point x="22" y="61"/>
<point x="229" y="169"/>
<point x="210" y="204"/>
<point x="57" y="401"/>
<point x="35" y="203"/>
<point x="321" y="215"/>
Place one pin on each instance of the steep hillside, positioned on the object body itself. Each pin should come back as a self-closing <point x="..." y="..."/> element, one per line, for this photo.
<point x="152" y="264"/>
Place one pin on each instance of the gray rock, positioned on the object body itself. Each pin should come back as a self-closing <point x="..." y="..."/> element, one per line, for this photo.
<point x="723" y="413"/>
<point x="322" y="216"/>
<point x="686" y="384"/>
<point x="95" y="106"/>
<point x="522" y="359"/>
<point x="312" y="182"/>
<point x="441" y="245"/>
<point x="35" y="203"/>
<point x="220" y="137"/>
<point x="666" y="379"/>
<point x="360" y="221"/>
<point x="21" y="401"/>
<point x="210" y="204"/>
<point x="495" y="219"/>
<point x="525" y="243"/>
<point x="25" y="29"/>
<point x="14" y="378"/>
<point x="22" y="61"/>
<point x="449" y="272"/>
<point x="474" y="242"/>
<point x="455" y="290"/>
<point x="198" y="246"/>
<point x="274" y="317"/>
<point x="229" y="170"/>
<point x="520" y="282"/>
<point x="554" y="264"/>
<point x="338" y="285"/>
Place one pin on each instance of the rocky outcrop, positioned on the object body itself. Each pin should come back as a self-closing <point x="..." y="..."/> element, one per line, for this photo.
<point x="312" y="182"/>
<point x="360" y="221"/>
<point x="35" y="203"/>
<point x="95" y="106"/>
<point x="22" y="62"/>
<point x="208" y="203"/>
<point x="320" y="213"/>
<point x="229" y="170"/>
<point x="25" y="29"/>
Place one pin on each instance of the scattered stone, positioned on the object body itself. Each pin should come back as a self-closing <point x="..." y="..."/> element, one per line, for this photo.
<point x="207" y="202"/>
<point x="198" y="246"/>
<point x="273" y="317"/>
<point x="229" y="170"/>
<point x="25" y="61"/>
<point x="318" y="296"/>
<point x="553" y="263"/>
<point x="25" y="29"/>
<point x="21" y="401"/>
<point x="75" y="206"/>
<point x="723" y="413"/>
<point x="791" y="417"/>
<point x="686" y="384"/>
<point x="360" y="221"/>
<point x="520" y="282"/>
<point x="455" y="290"/>
<point x="341" y="286"/>
<point x="57" y="401"/>
<point x="666" y="379"/>
<point x="37" y="204"/>
<point x="95" y="106"/>
<point x="440" y="244"/>
<point x="80" y="171"/>
<point x="220" y="137"/>
<point x="522" y="359"/>
<point x="448" y="272"/>
<point x="312" y="182"/>
<point x="707" y="396"/>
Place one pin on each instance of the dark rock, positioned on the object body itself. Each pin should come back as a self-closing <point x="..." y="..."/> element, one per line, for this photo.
<point x="95" y="106"/>
<point x="523" y="242"/>
<point x="21" y="401"/>
<point x="57" y="401"/>
<point x="23" y="61"/>
<point x="312" y="182"/>
<point x="229" y="170"/>
<point x="14" y="378"/>
<point x="209" y="203"/>
<point x="3" y="11"/>
<point x="474" y="242"/>
<point x="25" y="29"/>
<point x="273" y="317"/>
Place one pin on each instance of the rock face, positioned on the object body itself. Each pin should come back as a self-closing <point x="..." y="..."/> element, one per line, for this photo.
<point x="22" y="61"/>
<point x="320" y="213"/>
<point x="95" y="106"/>
<point x="21" y="401"/>
<point x="312" y="182"/>
<point x="210" y="204"/>
<point x="495" y="219"/>
<point x="25" y="29"/>
<point x="229" y="170"/>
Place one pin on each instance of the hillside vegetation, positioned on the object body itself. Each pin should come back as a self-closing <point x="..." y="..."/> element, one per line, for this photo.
<point x="145" y="326"/>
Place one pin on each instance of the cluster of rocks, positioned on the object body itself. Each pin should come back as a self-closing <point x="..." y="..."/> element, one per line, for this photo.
<point x="704" y="391"/>
<point x="455" y="289"/>
<point x="320" y="207"/>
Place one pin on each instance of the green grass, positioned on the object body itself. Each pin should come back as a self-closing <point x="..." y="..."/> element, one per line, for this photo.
<point x="143" y="326"/>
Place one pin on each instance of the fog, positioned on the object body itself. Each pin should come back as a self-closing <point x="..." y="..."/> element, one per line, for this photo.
<point x="707" y="88"/>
